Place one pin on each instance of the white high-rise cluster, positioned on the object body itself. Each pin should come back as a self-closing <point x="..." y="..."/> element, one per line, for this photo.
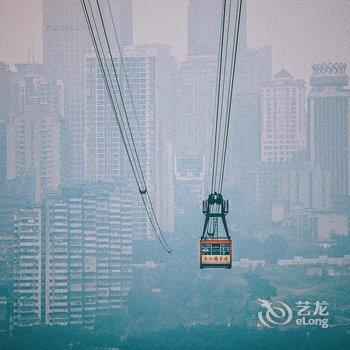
<point x="73" y="256"/>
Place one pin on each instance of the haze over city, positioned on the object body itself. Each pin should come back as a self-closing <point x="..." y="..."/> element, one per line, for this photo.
<point x="174" y="174"/>
<point x="300" y="32"/>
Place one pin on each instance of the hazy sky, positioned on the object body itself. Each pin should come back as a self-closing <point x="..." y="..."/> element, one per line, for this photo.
<point x="301" y="31"/>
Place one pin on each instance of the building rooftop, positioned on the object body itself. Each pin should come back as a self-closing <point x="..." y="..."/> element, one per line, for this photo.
<point x="283" y="74"/>
<point x="329" y="74"/>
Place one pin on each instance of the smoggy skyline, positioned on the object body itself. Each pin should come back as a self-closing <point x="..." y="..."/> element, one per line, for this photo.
<point x="300" y="32"/>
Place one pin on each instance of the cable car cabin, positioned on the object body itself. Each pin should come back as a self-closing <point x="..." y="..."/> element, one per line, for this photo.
<point x="216" y="253"/>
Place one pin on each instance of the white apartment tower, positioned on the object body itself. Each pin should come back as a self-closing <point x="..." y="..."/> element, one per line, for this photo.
<point x="283" y="118"/>
<point x="104" y="148"/>
<point x="145" y="80"/>
<point x="27" y="293"/>
<point x="88" y="239"/>
<point x="151" y="81"/>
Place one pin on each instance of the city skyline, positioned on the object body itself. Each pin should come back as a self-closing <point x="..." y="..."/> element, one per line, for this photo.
<point x="270" y="22"/>
<point x="113" y="148"/>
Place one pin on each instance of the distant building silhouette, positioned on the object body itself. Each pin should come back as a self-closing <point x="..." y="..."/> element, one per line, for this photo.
<point x="33" y="134"/>
<point x="17" y="194"/>
<point x="189" y="178"/>
<point x="6" y="95"/>
<point x="194" y="127"/>
<point x="197" y="93"/>
<point x="328" y="118"/>
<point x="303" y="184"/>
<point x="66" y="44"/>
<point x="203" y="23"/>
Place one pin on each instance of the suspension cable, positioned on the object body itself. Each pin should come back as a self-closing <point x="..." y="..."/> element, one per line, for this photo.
<point x="224" y="91"/>
<point x="127" y="83"/>
<point x="217" y="96"/>
<point x="120" y="93"/>
<point x="125" y="136"/>
<point x="133" y="158"/>
<point x="232" y="76"/>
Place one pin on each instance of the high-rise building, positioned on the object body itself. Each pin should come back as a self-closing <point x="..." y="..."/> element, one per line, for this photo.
<point x="166" y="205"/>
<point x="123" y="18"/>
<point x="194" y="127"/>
<point x="5" y="90"/>
<point x="3" y="153"/>
<point x="88" y="240"/>
<point x="328" y="119"/>
<point x="263" y="190"/>
<point x="197" y="91"/>
<point x="147" y="85"/>
<point x="203" y="22"/>
<point x="198" y="75"/>
<point x="283" y="118"/>
<point x="141" y="95"/>
<point x="148" y="70"/>
<point x="106" y="158"/>
<point x="104" y="148"/>
<point x="66" y="44"/>
<point x="196" y="110"/>
<point x="72" y="257"/>
<point x="189" y="173"/>
<point x="33" y="135"/>
<point x="5" y="109"/>
<point x="4" y="314"/>
<point x="6" y="257"/>
<point x="244" y="150"/>
<point x="300" y="183"/>
<point x="151" y="72"/>
<point x="189" y="177"/>
<point x="27" y="265"/>
<point x="16" y="194"/>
